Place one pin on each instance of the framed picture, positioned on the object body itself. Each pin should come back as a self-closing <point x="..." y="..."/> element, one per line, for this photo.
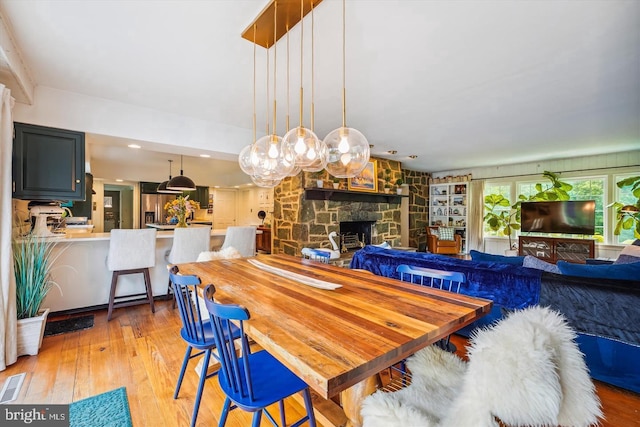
<point x="367" y="180"/>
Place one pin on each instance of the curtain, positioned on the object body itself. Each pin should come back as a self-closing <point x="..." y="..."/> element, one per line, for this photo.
<point x="475" y="215"/>
<point x="7" y="279"/>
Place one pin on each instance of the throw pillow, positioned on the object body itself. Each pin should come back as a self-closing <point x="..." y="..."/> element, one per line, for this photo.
<point x="446" y="233"/>
<point x="629" y="254"/>
<point x="533" y="262"/>
<point x="485" y="257"/>
<point x="603" y="271"/>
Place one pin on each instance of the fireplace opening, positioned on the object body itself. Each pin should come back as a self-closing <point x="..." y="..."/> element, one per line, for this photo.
<point x="355" y="235"/>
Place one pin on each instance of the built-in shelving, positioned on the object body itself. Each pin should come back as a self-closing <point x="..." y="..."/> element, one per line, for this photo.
<point x="351" y="196"/>
<point x="448" y="208"/>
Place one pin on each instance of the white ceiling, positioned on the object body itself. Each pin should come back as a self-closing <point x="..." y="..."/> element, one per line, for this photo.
<point x="459" y="83"/>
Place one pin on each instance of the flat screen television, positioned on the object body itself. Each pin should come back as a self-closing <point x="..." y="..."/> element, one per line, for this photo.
<point x="568" y="217"/>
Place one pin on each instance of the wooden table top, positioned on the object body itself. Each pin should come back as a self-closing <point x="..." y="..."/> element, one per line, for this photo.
<point x="333" y="339"/>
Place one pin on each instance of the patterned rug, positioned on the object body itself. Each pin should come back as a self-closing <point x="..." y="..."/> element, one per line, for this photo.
<point x="57" y="327"/>
<point x="110" y="409"/>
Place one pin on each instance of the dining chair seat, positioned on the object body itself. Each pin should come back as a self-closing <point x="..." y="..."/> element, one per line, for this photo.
<point x="131" y="252"/>
<point x="251" y="381"/>
<point x="187" y="244"/>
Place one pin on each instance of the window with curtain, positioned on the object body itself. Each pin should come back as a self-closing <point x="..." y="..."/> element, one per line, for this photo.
<point x="504" y="189"/>
<point x="624" y="196"/>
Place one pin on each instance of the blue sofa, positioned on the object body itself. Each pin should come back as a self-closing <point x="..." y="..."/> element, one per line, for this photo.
<point x="604" y="312"/>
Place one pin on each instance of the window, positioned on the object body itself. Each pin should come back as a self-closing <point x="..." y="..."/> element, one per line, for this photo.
<point x="591" y="189"/>
<point x="505" y="191"/>
<point x="624" y="196"/>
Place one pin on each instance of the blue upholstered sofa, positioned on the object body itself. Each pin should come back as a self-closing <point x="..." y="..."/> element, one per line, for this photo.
<point x="604" y="312"/>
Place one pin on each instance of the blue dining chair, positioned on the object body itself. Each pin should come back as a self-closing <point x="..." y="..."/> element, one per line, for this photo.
<point x="196" y="331"/>
<point x="251" y="381"/>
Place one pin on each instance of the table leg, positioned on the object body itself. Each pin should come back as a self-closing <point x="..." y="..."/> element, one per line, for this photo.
<point x="352" y="399"/>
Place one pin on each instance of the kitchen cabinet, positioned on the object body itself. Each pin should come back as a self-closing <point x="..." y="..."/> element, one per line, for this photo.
<point x="48" y="163"/>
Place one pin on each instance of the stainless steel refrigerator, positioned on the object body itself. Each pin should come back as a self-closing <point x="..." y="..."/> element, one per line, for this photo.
<point x="152" y="208"/>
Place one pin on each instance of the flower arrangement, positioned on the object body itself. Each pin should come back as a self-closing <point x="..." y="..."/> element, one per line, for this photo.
<point x="180" y="208"/>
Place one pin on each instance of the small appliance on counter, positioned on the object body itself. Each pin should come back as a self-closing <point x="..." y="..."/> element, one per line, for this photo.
<point x="44" y="214"/>
<point x="77" y="224"/>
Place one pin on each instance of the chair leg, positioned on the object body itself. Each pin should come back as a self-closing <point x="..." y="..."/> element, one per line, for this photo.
<point x="309" y="405"/>
<point x="257" y="416"/>
<point x="147" y="285"/>
<point x="283" y="420"/>
<point x="112" y="293"/>
<point x="173" y="296"/>
<point x="185" y="362"/>
<point x="225" y="412"/>
<point x="203" y="377"/>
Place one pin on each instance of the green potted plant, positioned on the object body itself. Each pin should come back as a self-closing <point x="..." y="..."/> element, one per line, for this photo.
<point x="502" y="221"/>
<point x="33" y="260"/>
<point x="387" y="180"/>
<point x="336" y="182"/>
<point x="628" y="214"/>
<point x="399" y="183"/>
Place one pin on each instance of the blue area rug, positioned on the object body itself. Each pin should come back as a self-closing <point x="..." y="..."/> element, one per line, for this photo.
<point x="110" y="409"/>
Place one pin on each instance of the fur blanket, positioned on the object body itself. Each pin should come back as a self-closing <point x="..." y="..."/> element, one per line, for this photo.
<point x="226" y="253"/>
<point x="526" y="370"/>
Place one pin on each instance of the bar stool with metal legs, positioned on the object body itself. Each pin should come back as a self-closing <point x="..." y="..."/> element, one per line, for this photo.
<point x="131" y="252"/>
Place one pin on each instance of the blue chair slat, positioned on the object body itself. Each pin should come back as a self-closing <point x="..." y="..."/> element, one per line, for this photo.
<point x="251" y="381"/>
<point x="196" y="331"/>
<point x="447" y="280"/>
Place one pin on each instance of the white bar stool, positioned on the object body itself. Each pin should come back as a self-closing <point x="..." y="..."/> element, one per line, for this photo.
<point x="187" y="244"/>
<point x="131" y="252"/>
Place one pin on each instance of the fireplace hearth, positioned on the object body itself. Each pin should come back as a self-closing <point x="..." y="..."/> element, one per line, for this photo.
<point x="355" y="235"/>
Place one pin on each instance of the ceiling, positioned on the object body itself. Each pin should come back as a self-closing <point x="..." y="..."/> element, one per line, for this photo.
<point x="460" y="84"/>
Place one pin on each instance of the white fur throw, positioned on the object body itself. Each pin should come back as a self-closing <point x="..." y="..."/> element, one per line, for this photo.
<point x="525" y="370"/>
<point x="226" y="253"/>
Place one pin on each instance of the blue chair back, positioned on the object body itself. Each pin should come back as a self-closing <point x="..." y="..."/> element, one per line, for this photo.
<point x="236" y="372"/>
<point x="194" y="325"/>
<point x="446" y="280"/>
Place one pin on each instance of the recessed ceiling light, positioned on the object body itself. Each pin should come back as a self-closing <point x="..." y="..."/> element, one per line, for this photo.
<point x="216" y="186"/>
<point x="118" y="180"/>
<point x="206" y="156"/>
<point x="392" y="151"/>
<point x="133" y="146"/>
<point x="413" y="156"/>
<point x="371" y="145"/>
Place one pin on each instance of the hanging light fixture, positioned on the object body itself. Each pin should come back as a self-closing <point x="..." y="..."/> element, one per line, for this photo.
<point x="304" y="142"/>
<point x="347" y="148"/>
<point x="181" y="182"/>
<point x="244" y="158"/>
<point x="162" y="188"/>
<point x="272" y="160"/>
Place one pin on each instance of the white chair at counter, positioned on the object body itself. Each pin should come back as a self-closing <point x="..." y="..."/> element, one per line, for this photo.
<point x="187" y="245"/>
<point x="131" y="252"/>
<point x="241" y="238"/>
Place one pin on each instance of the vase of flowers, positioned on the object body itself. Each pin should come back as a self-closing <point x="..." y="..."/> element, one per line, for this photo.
<point x="180" y="208"/>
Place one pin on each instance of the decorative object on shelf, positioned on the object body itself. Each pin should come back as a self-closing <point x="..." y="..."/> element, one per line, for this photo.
<point x="387" y="180"/>
<point x="33" y="260"/>
<point x="367" y="180"/>
<point x="628" y="215"/>
<point x="162" y="188"/>
<point x="180" y="208"/>
<point x="336" y="182"/>
<point x="181" y="182"/>
<point x="399" y="183"/>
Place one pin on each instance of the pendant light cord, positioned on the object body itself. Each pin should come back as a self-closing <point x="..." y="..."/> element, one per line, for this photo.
<point x="275" y="63"/>
<point x="312" y="112"/>
<point x="301" y="57"/>
<point x="254" y="83"/>
<point x="344" y="79"/>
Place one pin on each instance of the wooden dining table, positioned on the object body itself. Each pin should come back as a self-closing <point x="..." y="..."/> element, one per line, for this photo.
<point x="336" y="340"/>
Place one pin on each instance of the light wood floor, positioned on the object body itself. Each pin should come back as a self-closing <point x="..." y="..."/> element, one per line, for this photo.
<point x="143" y="352"/>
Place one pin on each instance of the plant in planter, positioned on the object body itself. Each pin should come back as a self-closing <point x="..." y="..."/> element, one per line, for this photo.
<point x="336" y="182"/>
<point x="399" y="183"/>
<point x="33" y="260"/>
<point x="317" y="176"/>
<point x="387" y="180"/>
<point x="502" y="221"/>
<point x="628" y="214"/>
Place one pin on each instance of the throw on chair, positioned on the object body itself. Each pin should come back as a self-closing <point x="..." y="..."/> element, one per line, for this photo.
<point x="525" y="370"/>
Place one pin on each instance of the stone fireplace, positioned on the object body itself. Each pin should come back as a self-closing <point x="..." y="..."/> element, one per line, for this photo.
<point x="356" y="234"/>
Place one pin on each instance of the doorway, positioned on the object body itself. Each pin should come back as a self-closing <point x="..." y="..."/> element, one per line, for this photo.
<point x="118" y="207"/>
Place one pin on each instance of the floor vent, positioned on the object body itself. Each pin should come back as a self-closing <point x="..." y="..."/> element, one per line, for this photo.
<point x="11" y="388"/>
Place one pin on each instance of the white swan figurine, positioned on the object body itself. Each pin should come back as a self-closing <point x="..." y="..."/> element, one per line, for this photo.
<point x="333" y="253"/>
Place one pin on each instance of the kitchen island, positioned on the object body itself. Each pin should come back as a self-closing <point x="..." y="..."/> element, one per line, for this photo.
<point x="81" y="274"/>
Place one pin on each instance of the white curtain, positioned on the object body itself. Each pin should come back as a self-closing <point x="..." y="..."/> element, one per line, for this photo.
<point x="7" y="278"/>
<point x="475" y="215"/>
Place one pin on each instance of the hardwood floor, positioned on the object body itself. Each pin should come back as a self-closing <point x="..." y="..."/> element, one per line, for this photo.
<point x="143" y="352"/>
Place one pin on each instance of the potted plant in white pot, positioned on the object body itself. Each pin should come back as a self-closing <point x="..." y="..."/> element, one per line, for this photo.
<point x="399" y="183"/>
<point x="387" y="180"/>
<point x="33" y="260"/>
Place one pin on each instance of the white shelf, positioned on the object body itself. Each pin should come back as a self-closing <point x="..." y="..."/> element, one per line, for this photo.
<point x="448" y="206"/>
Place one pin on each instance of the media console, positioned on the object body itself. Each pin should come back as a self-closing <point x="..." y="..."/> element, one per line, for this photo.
<point x="554" y="249"/>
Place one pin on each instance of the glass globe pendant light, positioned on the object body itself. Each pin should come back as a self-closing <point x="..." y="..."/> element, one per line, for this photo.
<point x="306" y="145"/>
<point x="347" y="148"/>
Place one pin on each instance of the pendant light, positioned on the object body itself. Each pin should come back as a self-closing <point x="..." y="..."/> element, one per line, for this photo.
<point x="162" y="188"/>
<point x="304" y="142"/>
<point x="181" y="182"/>
<point x="347" y="148"/>
<point x="271" y="159"/>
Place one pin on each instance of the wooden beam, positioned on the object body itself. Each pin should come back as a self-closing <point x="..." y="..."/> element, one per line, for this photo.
<point x="288" y="17"/>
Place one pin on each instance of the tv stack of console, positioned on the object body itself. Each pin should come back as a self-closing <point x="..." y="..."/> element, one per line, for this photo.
<point x="554" y="249"/>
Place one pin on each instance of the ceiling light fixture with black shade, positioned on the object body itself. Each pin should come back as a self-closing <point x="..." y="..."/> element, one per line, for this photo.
<point x="181" y="182"/>
<point x="162" y="188"/>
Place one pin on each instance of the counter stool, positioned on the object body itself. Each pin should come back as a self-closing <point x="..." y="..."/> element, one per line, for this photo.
<point x="131" y="252"/>
<point x="188" y="243"/>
